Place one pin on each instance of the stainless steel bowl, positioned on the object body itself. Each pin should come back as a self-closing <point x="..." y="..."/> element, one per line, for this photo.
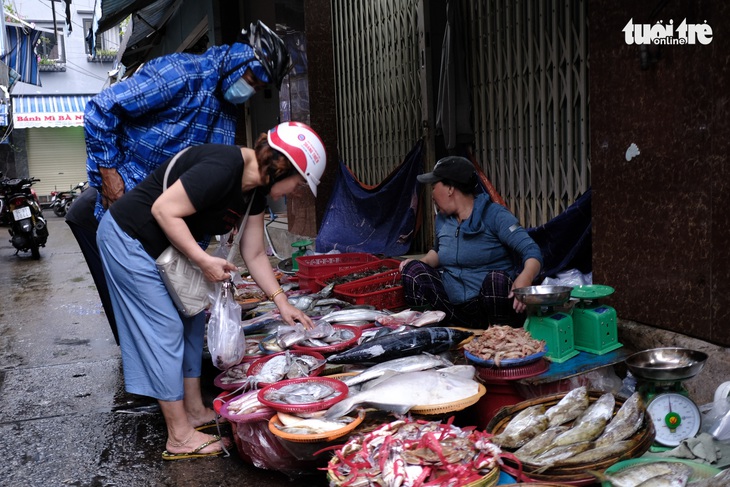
<point x="669" y="364"/>
<point x="543" y="295"/>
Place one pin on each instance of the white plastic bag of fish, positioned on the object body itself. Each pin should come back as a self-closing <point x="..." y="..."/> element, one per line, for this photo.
<point x="226" y="339"/>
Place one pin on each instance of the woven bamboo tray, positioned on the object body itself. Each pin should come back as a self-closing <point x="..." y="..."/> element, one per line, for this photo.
<point x="574" y="474"/>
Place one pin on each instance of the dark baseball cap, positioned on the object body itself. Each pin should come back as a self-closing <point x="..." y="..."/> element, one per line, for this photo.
<point x="454" y="168"/>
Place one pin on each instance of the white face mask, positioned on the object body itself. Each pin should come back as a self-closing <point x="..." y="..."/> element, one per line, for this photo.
<point x="239" y="92"/>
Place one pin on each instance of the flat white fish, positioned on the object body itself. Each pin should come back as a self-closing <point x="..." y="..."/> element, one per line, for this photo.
<point x="412" y="363"/>
<point x="401" y="392"/>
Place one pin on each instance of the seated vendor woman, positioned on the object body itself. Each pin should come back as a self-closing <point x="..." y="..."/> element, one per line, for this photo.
<point x="480" y="254"/>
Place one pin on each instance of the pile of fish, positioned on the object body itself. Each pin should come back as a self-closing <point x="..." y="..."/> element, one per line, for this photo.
<point x="244" y="404"/>
<point x="541" y="436"/>
<point x="298" y="424"/>
<point x="324" y="334"/>
<point x="413" y="318"/>
<point x="308" y="392"/>
<point x="285" y="365"/>
<point x="408" y="453"/>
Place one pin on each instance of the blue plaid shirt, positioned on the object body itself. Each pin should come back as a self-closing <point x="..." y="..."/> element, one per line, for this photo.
<point x="173" y="102"/>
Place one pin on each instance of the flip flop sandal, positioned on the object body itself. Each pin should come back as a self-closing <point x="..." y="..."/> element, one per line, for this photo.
<point x="211" y="424"/>
<point x="195" y="453"/>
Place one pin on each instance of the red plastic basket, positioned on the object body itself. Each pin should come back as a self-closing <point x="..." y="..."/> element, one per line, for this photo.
<point x="339" y="387"/>
<point x="384" y="291"/>
<point x="312" y="267"/>
<point x="384" y="264"/>
<point x="257" y="365"/>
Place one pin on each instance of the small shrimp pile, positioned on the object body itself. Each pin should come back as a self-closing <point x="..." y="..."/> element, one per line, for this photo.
<point x="415" y="453"/>
<point x="504" y="342"/>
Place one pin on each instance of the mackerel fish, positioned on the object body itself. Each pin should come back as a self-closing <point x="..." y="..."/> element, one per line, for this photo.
<point x="527" y="424"/>
<point x="626" y="422"/>
<point x="572" y="405"/>
<point x="591" y="423"/>
<point x="540" y="443"/>
<point x="559" y="453"/>
<point x="599" y="453"/>
<point x="394" y="345"/>
<point x="666" y="480"/>
<point x="636" y="475"/>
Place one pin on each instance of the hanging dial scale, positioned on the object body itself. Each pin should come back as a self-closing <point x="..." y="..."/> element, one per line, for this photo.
<point x="659" y="373"/>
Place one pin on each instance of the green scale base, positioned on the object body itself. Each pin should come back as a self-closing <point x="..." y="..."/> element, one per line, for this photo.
<point x="556" y="329"/>
<point x="594" y="329"/>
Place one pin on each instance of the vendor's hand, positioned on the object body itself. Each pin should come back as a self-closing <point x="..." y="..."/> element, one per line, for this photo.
<point x="520" y="281"/>
<point x="112" y="186"/>
<point x="216" y="269"/>
<point x="290" y="314"/>
<point x="403" y="264"/>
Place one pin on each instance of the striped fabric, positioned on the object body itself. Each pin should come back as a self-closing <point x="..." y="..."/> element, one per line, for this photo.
<point x="21" y="56"/>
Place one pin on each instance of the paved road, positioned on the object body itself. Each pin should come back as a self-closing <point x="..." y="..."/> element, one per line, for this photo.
<point x="64" y="416"/>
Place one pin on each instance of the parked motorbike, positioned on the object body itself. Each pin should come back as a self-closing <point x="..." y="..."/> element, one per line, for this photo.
<point x="61" y="200"/>
<point x="28" y="229"/>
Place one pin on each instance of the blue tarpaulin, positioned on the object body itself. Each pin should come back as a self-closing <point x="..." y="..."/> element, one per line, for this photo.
<point x="565" y="240"/>
<point x="378" y="220"/>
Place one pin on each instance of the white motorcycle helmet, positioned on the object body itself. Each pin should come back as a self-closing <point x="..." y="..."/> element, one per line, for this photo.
<point x="303" y="147"/>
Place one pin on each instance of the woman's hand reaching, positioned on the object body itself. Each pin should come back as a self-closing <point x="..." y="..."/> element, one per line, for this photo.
<point x="216" y="269"/>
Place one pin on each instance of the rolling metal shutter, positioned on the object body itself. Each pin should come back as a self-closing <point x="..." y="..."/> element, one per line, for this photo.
<point x="56" y="156"/>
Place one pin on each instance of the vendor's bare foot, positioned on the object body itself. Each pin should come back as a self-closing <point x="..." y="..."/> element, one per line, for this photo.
<point x="204" y="416"/>
<point x="194" y="441"/>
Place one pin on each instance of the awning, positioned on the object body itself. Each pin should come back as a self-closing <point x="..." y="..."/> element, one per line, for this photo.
<point x="49" y="111"/>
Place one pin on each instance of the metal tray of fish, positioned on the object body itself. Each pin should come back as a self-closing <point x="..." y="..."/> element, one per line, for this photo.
<point x="696" y="471"/>
<point x="505" y="363"/>
<point x="574" y="474"/>
<point x="303" y="395"/>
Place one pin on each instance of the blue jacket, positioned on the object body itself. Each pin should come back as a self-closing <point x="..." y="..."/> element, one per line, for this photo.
<point x="491" y="239"/>
<point x="173" y="102"/>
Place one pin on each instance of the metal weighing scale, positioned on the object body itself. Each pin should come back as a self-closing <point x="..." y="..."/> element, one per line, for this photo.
<point x="659" y="373"/>
<point x="594" y="323"/>
<point x="545" y="323"/>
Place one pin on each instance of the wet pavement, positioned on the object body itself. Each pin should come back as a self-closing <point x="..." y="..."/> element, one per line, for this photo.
<point x="65" y="419"/>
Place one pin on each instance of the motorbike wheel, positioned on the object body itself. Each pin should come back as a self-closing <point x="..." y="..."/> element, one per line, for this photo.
<point x="59" y="210"/>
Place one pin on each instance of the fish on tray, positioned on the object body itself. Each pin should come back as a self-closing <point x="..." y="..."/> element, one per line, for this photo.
<point x="411" y="363"/>
<point x="394" y="345"/>
<point x="296" y="425"/>
<point x="412" y="318"/>
<point x="626" y="422"/>
<point x="526" y="425"/>
<point x="399" y="392"/>
<point x="669" y="474"/>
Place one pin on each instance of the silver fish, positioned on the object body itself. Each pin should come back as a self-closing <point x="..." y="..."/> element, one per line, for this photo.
<point x="599" y="453"/>
<point x="585" y="431"/>
<point x="296" y="425"/>
<point x="401" y="392"/>
<point x="626" y="422"/>
<point x="666" y="480"/>
<point x="527" y="424"/>
<point x="572" y="405"/>
<point x="635" y="475"/>
<point x="559" y="453"/>
<point x="602" y="408"/>
<point x="347" y="315"/>
<point x="412" y="363"/>
<point x="540" y="443"/>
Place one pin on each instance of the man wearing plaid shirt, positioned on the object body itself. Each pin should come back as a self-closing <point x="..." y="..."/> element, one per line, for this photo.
<point x="171" y="103"/>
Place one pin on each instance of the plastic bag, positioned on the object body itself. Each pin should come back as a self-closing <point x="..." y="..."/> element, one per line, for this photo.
<point x="226" y="338"/>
